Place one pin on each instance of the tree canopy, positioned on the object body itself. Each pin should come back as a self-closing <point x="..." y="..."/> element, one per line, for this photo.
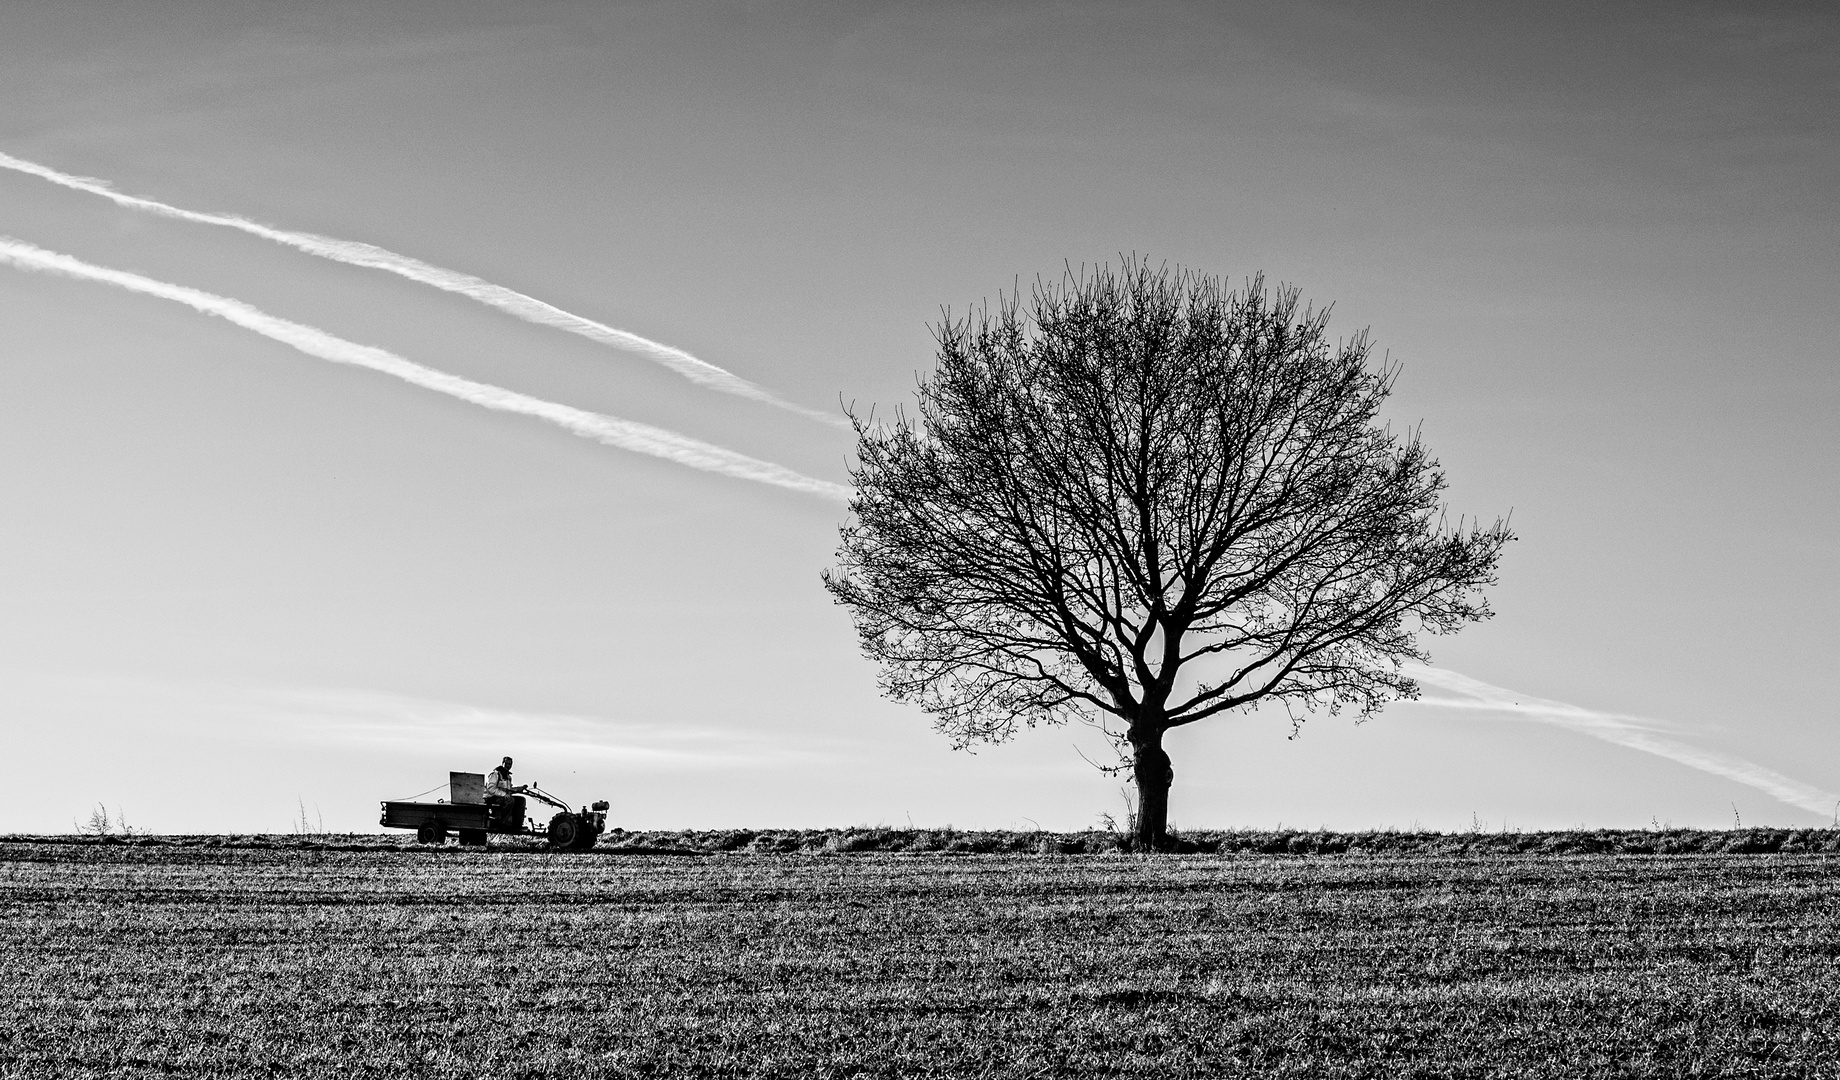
<point x="1146" y="499"/>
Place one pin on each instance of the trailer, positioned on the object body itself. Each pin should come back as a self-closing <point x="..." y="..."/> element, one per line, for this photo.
<point x="473" y="816"/>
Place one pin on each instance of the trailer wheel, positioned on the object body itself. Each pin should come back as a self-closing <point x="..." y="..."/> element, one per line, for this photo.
<point x="431" y="832"/>
<point x="565" y="832"/>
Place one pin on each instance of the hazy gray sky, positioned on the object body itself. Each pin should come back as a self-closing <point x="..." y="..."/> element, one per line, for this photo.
<point x="1603" y="240"/>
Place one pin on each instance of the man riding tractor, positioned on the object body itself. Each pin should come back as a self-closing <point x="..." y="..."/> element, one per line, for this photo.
<point x="493" y="803"/>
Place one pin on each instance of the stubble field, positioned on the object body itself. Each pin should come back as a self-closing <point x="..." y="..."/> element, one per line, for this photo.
<point x="200" y="959"/>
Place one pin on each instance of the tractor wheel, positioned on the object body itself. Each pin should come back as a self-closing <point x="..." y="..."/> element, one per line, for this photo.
<point x="585" y="838"/>
<point x="472" y="838"/>
<point x="431" y="832"/>
<point x="564" y="832"/>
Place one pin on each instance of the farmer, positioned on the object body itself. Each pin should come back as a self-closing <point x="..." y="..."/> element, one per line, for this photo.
<point x="498" y="782"/>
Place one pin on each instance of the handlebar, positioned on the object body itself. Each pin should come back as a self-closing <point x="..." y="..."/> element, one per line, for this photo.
<point x="544" y="796"/>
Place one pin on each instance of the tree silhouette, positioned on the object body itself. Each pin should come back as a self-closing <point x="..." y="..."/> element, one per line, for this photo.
<point x="1147" y="500"/>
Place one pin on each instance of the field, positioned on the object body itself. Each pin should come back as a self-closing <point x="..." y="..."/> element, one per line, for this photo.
<point x="367" y="958"/>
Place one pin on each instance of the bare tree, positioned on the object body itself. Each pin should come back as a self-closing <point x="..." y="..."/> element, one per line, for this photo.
<point x="1146" y="501"/>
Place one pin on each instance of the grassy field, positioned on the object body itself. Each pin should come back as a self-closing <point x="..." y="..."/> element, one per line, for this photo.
<point x="366" y="958"/>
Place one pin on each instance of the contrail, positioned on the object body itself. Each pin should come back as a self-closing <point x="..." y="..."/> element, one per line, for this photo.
<point x="528" y="308"/>
<point x="625" y="434"/>
<point x="365" y="719"/>
<point x="1634" y="732"/>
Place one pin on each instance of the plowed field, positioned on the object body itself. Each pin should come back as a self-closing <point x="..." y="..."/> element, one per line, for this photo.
<point x="199" y="960"/>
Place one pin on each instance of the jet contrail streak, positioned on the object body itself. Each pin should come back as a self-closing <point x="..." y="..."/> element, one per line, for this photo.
<point x="1634" y="732"/>
<point x="528" y="308"/>
<point x="625" y="434"/>
<point x="358" y="718"/>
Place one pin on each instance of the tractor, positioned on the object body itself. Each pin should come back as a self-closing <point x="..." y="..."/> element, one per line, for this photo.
<point x="474" y="815"/>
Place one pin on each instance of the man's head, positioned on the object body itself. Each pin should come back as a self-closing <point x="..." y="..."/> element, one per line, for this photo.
<point x="507" y="765"/>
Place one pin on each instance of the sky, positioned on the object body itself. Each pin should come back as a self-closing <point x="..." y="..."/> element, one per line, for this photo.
<point x="555" y="474"/>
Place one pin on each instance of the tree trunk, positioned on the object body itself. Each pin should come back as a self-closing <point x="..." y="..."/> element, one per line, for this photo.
<point x="1153" y="773"/>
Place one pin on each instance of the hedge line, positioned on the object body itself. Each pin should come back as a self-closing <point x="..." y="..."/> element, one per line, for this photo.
<point x="973" y="842"/>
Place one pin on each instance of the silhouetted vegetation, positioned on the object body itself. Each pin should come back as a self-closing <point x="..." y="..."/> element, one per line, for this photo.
<point x="1144" y="500"/>
<point x="947" y="841"/>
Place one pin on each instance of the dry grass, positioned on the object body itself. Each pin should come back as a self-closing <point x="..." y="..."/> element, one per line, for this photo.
<point x="295" y="958"/>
